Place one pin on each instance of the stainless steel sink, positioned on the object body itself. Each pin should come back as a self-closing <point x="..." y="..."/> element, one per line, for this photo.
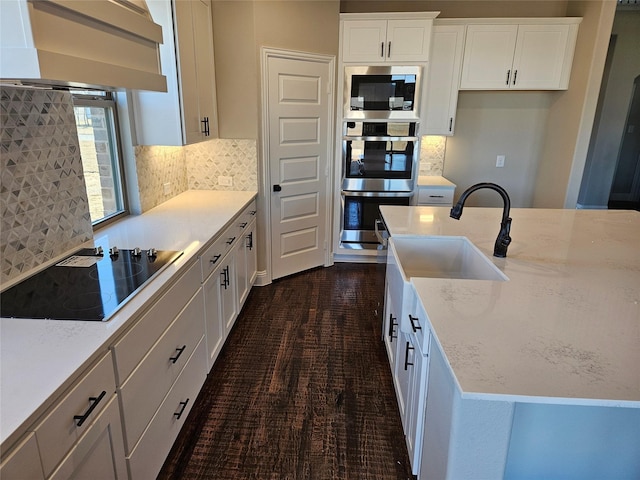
<point x="444" y="257"/>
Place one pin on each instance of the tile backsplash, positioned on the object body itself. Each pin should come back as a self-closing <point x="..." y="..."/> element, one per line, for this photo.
<point x="432" y="150"/>
<point x="43" y="200"/>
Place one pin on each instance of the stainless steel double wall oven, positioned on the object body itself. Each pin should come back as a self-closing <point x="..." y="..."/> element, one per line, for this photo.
<point x="380" y="147"/>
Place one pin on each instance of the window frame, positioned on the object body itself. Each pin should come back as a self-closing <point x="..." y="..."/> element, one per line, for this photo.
<point x="83" y="98"/>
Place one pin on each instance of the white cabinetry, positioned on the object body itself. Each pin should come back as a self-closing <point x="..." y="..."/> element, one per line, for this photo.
<point x="229" y="270"/>
<point x="445" y="63"/>
<point x="518" y="55"/>
<point x="159" y="360"/>
<point x="410" y="357"/>
<point x="84" y="429"/>
<point x="187" y="113"/>
<point x="435" y="190"/>
<point x="386" y="37"/>
<point x="23" y="461"/>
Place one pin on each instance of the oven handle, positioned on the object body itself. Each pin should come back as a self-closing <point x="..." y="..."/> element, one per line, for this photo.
<point x="382" y="233"/>
<point x="380" y="139"/>
<point x="369" y="193"/>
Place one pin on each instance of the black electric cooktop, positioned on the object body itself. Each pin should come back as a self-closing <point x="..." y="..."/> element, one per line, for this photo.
<point x="88" y="285"/>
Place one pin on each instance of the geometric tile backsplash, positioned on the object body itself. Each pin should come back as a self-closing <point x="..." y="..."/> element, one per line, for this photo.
<point x="43" y="200"/>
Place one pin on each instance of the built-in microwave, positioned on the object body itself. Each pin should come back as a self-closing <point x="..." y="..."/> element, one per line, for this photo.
<point x="382" y="92"/>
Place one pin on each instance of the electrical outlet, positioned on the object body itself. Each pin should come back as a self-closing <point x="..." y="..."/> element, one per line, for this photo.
<point x="500" y="161"/>
<point x="166" y="188"/>
<point x="225" y="181"/>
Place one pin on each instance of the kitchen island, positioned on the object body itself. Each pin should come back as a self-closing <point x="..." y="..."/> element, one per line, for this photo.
<point x="537" y="374"/>
<point x="41" y="360"/>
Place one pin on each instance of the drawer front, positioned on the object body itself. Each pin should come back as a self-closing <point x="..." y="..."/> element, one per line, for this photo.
<point x="150" y="453"/>
<point x="130" y="349"/>
<point x="435" y="196"/>
<point x="247" y="216"/>
<point x="215" y="254"/>
<point x="149" y="383"/>
<point x="59" y="430"/>
<point x="419" y="323"/>
<point x="24" y="461"/>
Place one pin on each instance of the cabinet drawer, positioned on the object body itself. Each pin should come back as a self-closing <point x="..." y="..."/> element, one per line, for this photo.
<point x="149" y="454"/>
<point x="417" y="319"/>
<point x="151" y="380"/>
<point x="60" y="430"/>
<point x="435" y="196"/>
<point x="214" y="255"/>
<point x="24" y="461"/>
<point x="130" y="349"/>
<point x="247" y="216"/>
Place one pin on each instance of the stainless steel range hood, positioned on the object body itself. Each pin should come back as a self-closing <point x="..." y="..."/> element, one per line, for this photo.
<point x="80" y="43"/>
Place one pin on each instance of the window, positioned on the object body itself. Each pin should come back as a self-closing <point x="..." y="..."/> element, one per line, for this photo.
<point x="96" y="120"/>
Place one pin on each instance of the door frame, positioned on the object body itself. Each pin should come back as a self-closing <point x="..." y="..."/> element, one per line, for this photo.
<point x="265" y="177"/>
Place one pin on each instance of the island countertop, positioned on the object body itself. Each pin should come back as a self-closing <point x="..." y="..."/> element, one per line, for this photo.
<point x="564" y="328"/>
<point x="39" y="359"/>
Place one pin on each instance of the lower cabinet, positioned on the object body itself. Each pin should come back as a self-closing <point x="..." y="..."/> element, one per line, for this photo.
<point x="407" y="338"/>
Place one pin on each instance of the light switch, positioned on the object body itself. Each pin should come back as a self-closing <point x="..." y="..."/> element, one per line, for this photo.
<point x="500" y="161"/>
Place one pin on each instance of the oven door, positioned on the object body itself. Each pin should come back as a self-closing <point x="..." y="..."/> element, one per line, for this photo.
<point x="361" y="213"/>
<point x="379" y="157"/>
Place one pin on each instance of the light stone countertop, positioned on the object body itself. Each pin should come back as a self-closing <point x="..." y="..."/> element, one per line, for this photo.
<point x="434" y="181"/>
<point x="39" y="359"/>
<point x="565" y="327"/>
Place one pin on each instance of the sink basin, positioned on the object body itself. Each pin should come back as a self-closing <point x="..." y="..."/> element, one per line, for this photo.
<point x="444" y="257"/>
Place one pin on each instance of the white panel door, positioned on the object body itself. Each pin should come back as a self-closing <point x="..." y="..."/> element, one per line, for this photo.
<point x="298" y="155"/>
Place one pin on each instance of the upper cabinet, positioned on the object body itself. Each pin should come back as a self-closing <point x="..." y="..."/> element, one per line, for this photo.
<point x="386" y="37"/>
<point x="80" y="43"/>
<point x="518" y="54"/>
<point x="444" y="76"/>
<point x="187" y="113"/>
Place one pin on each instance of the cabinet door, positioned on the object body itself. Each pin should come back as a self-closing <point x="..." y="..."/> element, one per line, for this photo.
<point x="408" y="40"/>
<point x="99" y="451"/>
<point x="214" y="325"/>
<point x="539" y="60"/>
<point x="242" y="280"/>
<point x="445" y="63"/>
<point x="364" y="40"/>
<point x="228" y="296"/>
<point x="404" y="376"/>
<point x="205" y="76"/>
<point x="252" y="255"/>
<point x="390" y="327"/>
<point x="488" y="57"/>
<point x="246" y="266"/>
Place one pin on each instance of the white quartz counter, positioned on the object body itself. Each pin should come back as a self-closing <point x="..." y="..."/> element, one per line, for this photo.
<point x="40" y="358"/>
<point x="565" y="327"/>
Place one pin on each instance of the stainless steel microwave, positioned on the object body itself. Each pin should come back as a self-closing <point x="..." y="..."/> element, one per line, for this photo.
<point x="382" y="92"/>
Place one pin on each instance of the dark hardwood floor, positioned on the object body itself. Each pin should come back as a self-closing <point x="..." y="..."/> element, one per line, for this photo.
<point x="302" y="388"/>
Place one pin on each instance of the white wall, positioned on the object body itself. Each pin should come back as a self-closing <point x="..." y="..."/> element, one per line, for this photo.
<point x="497" y="123"/>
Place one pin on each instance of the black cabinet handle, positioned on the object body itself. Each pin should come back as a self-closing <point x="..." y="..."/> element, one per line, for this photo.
<point x="205" y="126"/>
<point x="215" y="259"/>
<point x="450" y="124"/>
<point x="392" y="323"/>
<point x="80" y="419"/>
<point x="183" y="406"/>
<point x="250" y="241"/>
<point x="179" y="350"/>
<point x="252" y="213"/>
<point x="243" y="224"/>
<point x="508" y="75"/>
<point x="406" y="356"/>
<point x="382" y="49"/>
<point x="413" y="321"/>
<point x="225" y="277"/>
<point x="277" y="188"/>
<point x="515" y="75"/>
<point x="231" y="240"/>
<point x="389" y="51"/>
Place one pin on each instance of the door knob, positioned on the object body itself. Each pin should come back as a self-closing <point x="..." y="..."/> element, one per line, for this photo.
<point x="277" y="188"/>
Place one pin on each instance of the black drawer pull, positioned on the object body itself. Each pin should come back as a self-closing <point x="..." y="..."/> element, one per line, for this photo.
<point x="436" y="196"/>
<point x="392" y="323"/>
<point x="250" y="241"/>
<point x="215" y="259"/>
<point x="413" y="321"/>
<point x="183" y="406"/>
<point x="243" y="224"/>
<point x="179" y="350"/>
<point x="231" y="240"/>
<point x="80" y="419"/>
<point x="406" y="356"/>
<point x="252" y="213"/>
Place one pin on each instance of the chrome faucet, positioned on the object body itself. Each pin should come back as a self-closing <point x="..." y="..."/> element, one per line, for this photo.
<point x="503" y="240"/>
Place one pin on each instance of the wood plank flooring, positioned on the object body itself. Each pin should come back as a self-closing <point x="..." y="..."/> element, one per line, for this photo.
<point x="302" y="388"/>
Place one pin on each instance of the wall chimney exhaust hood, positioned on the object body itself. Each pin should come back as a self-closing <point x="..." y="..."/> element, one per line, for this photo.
<point x="106" y="44"/>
